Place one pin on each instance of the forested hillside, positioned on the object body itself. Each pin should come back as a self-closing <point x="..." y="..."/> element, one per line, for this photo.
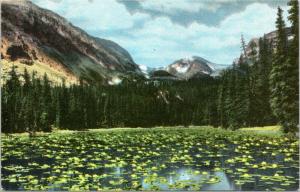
<point x="260" y="89"/>
<point x="263" y="88"/>
<point x="143" y="104"/>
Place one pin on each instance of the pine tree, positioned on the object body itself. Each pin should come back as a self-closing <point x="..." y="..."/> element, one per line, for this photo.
<point x="5" y="115"/>
<point x="27" y="103"/>
<point x="293" y="66"/>
<point x="255" y="113"/>
<point x="232" y="109"/>
<point x="263" y="84"/>
<point x="243" y="98"/>
<point x="220" y="102"/>
<point x="37" y="104"/>
<point x="27" y="82"/>
<point x="243" y="46"/>
<point x="62" y="119"/>
<point x="47" y="108"/>
<point x="282" y="103"/>
<point x="294" y="19"/>
<point x="13" y="86"/>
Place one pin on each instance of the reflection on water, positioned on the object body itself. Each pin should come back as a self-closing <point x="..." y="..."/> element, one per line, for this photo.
<point x="224" y="184"/>
<point x="185" y="175"/>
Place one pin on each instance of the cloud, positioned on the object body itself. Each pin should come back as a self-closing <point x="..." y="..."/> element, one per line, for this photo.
<point x="158" y="41"/>
<point x="94" y="15"/>
<point x="171" y="6"/>
<point x="161" y="41"/>
<point x="185" y="12"/>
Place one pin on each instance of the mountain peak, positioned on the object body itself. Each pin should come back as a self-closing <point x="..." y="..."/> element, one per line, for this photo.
<point x="187" y="68"/>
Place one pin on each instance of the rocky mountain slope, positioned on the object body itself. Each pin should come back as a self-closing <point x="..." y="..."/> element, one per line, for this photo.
<point x="33" y="36"/>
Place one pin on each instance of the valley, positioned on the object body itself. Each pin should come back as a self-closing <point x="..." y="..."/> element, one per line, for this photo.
<point x="131" y="96"/>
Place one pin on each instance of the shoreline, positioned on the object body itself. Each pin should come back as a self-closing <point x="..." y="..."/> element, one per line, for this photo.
<point x="265" y="131"/>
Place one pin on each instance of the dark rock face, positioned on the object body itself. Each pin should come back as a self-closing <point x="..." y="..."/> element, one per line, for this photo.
<point x="17" y="51"/>
<point x="161" y="74"/>
<point x="32" y="33"/>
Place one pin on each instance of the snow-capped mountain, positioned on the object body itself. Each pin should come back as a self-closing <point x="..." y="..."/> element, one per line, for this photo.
<point x="184" y="69"/>
<point x="193" y="67"/>
<point x="190" y="67"/>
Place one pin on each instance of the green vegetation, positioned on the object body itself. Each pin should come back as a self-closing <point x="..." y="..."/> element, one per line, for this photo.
<point x="267" y="130"/>
<point x="150" y="159"/>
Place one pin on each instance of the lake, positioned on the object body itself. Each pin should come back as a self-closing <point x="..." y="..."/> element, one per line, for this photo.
<point x="150" y="159"/>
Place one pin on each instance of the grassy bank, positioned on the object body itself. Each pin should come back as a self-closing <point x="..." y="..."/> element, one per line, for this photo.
<point x="115" y="129"/>
<point x="266" y="131"/>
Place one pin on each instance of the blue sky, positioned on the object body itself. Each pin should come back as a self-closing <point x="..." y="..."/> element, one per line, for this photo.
<point x="158" y="32"/>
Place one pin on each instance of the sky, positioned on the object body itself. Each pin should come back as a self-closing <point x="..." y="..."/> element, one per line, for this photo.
<point x="158" y="32"/>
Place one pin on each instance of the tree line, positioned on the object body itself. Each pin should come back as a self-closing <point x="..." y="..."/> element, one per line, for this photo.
<point x="260" y="89"/>
<point x="32" y="104"/>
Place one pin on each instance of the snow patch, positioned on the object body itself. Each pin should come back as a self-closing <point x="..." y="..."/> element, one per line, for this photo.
<point x="115" y="81"/>
<point x="182" y="69"/>
<point x="143" y="68"/>
<point x="188" y="59"/>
